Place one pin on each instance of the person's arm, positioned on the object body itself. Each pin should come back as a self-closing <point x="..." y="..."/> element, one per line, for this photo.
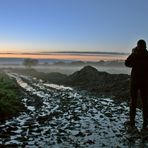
<point x="129" y="62"/>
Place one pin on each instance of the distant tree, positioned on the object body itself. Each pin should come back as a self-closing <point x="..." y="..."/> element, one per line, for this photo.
<point x="45" y="63"/>
<point x="30" y="62"/>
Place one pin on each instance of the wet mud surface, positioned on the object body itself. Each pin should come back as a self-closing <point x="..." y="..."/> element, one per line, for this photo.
<point x="62" y="117"/>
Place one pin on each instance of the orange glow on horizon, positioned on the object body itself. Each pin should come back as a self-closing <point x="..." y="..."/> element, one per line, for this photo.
<point x="66" y="57"/>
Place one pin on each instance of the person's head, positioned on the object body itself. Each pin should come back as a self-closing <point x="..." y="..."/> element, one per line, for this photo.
<point x="141" y="44"/>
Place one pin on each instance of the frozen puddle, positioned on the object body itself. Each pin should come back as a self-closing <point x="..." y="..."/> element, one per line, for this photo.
<point x="59" y="116"/>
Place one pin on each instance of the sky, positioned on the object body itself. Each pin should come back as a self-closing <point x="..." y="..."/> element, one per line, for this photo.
<point x="72" y="25"/>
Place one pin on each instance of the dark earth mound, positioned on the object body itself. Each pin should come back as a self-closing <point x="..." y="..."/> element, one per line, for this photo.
<point x="103" y="83"/>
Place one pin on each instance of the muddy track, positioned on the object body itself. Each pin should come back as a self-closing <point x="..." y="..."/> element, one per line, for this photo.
<point x="62" y="117"/>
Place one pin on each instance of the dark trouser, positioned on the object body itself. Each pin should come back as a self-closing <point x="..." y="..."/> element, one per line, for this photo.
<point x="143" y="89"/>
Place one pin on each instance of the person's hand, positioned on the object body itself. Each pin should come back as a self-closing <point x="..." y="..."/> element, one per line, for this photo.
<point x="134" y="50"/>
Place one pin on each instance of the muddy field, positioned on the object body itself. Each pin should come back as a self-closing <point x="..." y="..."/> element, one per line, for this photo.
<point x="59" y="116"/>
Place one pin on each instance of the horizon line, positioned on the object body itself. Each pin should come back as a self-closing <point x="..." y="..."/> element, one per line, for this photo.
<point x="66" y="52"/>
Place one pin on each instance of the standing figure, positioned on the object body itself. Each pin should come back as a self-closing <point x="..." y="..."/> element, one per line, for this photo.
<point x="138" y="61"/>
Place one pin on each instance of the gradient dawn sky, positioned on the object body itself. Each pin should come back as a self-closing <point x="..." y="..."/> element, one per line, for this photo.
<point x="72" y="25"/>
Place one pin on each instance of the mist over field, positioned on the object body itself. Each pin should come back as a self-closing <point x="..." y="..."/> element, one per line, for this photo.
<point x="109" y="62"/>
<point x="69" y="69"/>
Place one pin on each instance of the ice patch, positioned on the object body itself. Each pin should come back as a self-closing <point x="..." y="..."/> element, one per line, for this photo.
<point x="58" y="87"/>
<point x="31" y="108"/>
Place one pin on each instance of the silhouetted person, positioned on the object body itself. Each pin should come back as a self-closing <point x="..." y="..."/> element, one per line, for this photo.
<point x="138" y="61"/>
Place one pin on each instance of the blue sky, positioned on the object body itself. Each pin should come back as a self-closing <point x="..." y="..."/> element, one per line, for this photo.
<point x="72" y="25"/>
